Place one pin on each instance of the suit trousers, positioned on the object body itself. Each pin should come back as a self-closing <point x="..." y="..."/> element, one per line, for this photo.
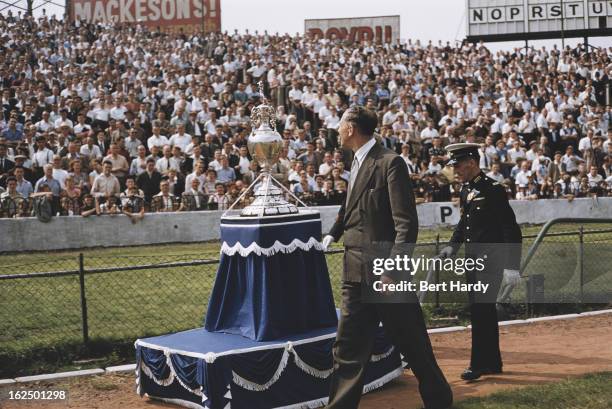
<point x="404" y="326"/>
<point x="485" y="331"/>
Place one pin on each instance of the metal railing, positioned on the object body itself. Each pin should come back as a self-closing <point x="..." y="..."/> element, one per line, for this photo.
<point x="563" y="220"/>
<point x="535" y="293"/>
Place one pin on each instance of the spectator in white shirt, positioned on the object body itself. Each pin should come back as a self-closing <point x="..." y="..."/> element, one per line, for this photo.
<point x="139" y="163"/>
<point x="59" y="174"/>
<point x="118" y="111"/>
<point x="594" y="177"/>
<point x="157" y="139"/>
<point x="495" y="174"/>
<point x="522" y="177"/>
<point x="167" y="161"/>
<point x="542" y="122"/>
<point x="44" y="124"/>
<point x="332" y="121"/>
<point x="585" y="142"/>
<point x="516" y="152"/>
<point x="198" y="173"/>
<point x="328" y="164"/>
<point x="531" y="154"/>
<point x="243" y="161"/>
<point x="216" y="162"/>
<point x="428" y="133"/>
<point x="570" y="160"/>
<point x="43" y="155"/>
<point x="180" y="138"/>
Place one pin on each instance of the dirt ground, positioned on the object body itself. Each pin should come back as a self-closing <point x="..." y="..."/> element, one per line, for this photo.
<point x="533" y="353"/>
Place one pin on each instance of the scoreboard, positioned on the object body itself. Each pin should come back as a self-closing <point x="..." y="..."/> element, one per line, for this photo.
<point x="507" y="20"/>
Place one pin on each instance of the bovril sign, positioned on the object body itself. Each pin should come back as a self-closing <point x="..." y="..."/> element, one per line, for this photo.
<point x="383" y="29"/>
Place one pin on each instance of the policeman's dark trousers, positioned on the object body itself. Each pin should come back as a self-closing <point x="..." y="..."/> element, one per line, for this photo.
<point x="405" y="328"/>
<point x="485" y="331"/>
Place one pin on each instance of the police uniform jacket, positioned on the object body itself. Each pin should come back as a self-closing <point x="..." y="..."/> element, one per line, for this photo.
<point x="488" y="225"/>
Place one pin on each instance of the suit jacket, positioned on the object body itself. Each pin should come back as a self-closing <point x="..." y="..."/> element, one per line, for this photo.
<point x="554" y="171"/>
<point x="189" y="201"/>
<point x="149" y="184"/>
<point x="379" y="217"/>
<point x="7" y="166"/>
<point x="190" y="128"/>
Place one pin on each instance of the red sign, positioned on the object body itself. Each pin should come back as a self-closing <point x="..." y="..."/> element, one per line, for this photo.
<point x="383" y="29"/>
<point x="191" y="15"/>
<point x="363" y="33"/>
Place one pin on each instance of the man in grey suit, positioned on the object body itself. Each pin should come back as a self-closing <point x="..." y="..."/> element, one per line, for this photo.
<point x="379" y="213"/>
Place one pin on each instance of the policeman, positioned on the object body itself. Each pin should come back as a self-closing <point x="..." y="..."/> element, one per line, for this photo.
<point x="489" y="230"/>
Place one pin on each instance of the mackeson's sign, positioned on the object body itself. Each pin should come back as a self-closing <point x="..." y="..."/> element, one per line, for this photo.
<point x="165" y="14"/>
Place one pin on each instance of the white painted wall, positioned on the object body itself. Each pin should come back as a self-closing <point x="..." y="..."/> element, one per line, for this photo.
<point x="187" y="227"/>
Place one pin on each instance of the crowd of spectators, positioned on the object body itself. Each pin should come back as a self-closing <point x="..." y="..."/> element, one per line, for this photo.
<point x="105" y="119"/>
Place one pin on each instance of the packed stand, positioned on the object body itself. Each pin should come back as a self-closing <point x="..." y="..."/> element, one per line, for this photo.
<point x="119" y="119"/>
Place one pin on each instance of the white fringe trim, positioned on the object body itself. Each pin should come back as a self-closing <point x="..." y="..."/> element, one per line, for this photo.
<point x="252" y="386"/>
<point x="383" y="380"/>
<point x="171" y="377"/>
<point x="317" y="373"/>
<point x="161" y="382"/>
<point x="138" y="388"/>
<point x="375" y="384"/>
<point x="312" y="404"/>
<point x="197" y="391"/>
<point x="322" y="374"/>
<point x="277" y="247"/>
<point x="380" y="357"/>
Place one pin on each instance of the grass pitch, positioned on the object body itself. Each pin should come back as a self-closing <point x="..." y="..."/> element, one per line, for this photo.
<point x="591" y="391"/>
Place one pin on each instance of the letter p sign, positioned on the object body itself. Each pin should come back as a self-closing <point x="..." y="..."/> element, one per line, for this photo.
<point x="445" y="211"/>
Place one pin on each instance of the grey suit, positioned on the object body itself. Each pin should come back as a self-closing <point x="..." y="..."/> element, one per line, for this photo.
<point x="379" y="219"/>
<point x="554" y="171"/>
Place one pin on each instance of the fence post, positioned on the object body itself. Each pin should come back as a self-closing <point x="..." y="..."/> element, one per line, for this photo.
<point x="437" y="271"/>
<point x="83" y="300"/>
<point x="581" y="255"/>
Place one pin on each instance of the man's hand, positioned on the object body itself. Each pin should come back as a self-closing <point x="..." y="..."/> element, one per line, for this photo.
<point x="327" y="241"/>
<point x="512" y="277"/>
<point x="446" y="252"/>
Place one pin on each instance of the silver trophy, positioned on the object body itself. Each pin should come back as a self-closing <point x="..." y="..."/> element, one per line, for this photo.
<point x="265" y="145"/>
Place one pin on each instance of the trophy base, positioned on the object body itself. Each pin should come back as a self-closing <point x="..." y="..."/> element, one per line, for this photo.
<point x="251" y="211"/>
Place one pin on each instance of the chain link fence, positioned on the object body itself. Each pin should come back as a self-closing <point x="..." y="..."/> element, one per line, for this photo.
<point x="88" y="302"/>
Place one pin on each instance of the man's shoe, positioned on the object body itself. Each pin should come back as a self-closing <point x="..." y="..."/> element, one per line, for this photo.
<point x="472" y="374"/>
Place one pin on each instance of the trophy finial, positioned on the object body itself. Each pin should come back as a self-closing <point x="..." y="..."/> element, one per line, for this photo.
<point x="263" y="116"/>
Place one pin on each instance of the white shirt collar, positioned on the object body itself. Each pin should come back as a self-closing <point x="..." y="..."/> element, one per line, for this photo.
<point x="362" y="152"/>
